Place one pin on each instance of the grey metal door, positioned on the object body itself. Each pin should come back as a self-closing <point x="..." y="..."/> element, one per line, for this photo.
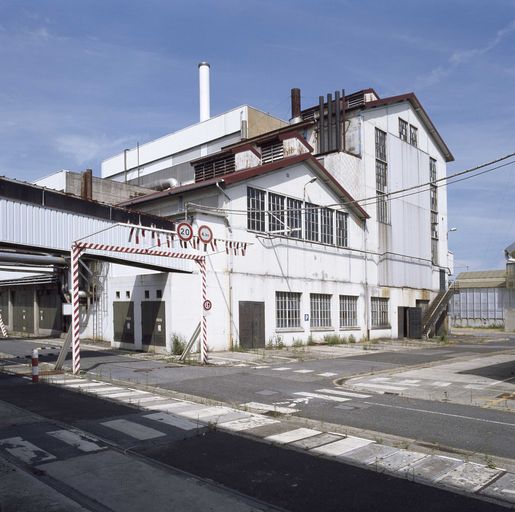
<point x="4" y="306"/>
<point x="153" y="325"/>
<point x="123" y="318"/>
<point x="50" y="310"/>
<point x="414" y="323"/>
<point x="252" y="324"/>
<point x="23" y="310"/>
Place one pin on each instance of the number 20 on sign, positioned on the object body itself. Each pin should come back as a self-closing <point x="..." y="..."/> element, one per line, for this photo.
<point x="184" y="231"/>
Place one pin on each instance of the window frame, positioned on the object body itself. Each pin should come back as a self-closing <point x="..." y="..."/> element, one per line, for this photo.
<point x="413" y="135"/>
<point x="256" y="217"/>
<point x="327" y="226"/>
<point x="320" y="311"/>
<point x="403" y="129"/>
<point x="276" y="213"/>
<point x="348" y="309"/>
<point x="287" y="310"/>
<point x="294" y="217"/>
<point x="342" y="229"/>
<point x="379" y="313"/>
<point x="311" y="222"/>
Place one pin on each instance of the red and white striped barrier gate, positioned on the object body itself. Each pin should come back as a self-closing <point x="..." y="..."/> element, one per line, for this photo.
<point x="2" y="328"/>
<point x="35" y="366"/>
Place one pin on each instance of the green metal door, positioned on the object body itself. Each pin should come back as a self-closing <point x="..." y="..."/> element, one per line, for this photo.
<point x="153" y="324"/>
<point x="50" y="310"/>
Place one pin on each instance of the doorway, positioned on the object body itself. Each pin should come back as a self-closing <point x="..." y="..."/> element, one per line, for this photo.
<point x="252" y="324"/>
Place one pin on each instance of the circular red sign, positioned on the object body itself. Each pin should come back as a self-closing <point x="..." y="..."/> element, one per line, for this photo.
<point x="184" y="231"/>
<point x="205" y="234"/>
<point x="207" y="305"/>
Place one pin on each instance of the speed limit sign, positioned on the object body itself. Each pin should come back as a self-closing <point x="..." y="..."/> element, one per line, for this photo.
<point x="205" y="234"/>
<point x="184" y="231"/>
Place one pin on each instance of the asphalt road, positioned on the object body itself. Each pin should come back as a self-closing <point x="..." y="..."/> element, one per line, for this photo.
<point x="276" y="477"/>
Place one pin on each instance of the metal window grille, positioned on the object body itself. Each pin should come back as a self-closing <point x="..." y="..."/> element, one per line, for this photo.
<point x="311" y="222"/>
<point x="214" y="168"/>
<point x="341" y="229"/>
<point x="320" y="310"/>
<point x="348" y="311"/>
<point x="432" y="169"/>
<point x="271" y="152"/>
<point x="294" y="218"/>
<point x="403" y="130"/>
<point x="382" y="208"/>
<point x="287" y="309"/>
<point x="379" y="309"/>
<point x="256" y="209"/>
<point x="433" y="194"/>
<point x="413" y="135"/>
<point x="381" y="176"/>
<point x="326" y="225"/>
<point x="380" y="144"/>
<point x="276" y="213"/>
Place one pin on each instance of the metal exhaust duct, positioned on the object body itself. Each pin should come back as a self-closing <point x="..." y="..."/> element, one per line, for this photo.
<point x="204" y="92"/>
<point x="295" y="106"/>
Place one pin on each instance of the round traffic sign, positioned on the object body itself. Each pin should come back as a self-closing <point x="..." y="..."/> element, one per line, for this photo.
<point x="184" y="231"/>
<point x="205" y="234"/>
<point x="207" y="305"/>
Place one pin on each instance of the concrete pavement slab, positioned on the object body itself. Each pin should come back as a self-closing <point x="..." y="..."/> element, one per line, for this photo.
<point x="469" y="477"/>
<point x="318" y="440"/>
<point x="369" y="454"/>
<point x="503" y="488"/>
<point x="432" y="467"/>
<point x="398" y="461"/>
<point x="133" y="429"/>
<point x="292" y="435"/>
<point x="341" y="446"/>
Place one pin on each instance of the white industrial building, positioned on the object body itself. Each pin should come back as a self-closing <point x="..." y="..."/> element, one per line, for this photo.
<point x="310" y="235"/>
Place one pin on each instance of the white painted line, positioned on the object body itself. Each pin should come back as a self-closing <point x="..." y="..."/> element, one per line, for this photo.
<point x="475" y="386"/>
<point x="323" y="397"/>
<point x="257" y="406"/>
<point x="170" y="419"/>
<point x="380" y="379"/>
<point x="343" y="393"/>
<point x="407" y="382"/>
<point x="64" y="379"/>
<point x="442" y="414"/>
<point x="85" y="385"/>
<point x="440" y="384"/>
<point x="293" y="435"/>
<point x="261" y="367"/>
<point x="303" y="371"/>
<point x="282" y="369"/>
<point x="342" y="446"/>
<point x="380" y="387"/>
<point x="166" y="407"/>
<point x="247" y="423"/>
<point x="127" y="393"/>
<point x="78" y="440"/>
<point x="134" y="430"/>
<point x="24" y="450"/>
<point x="327" y="374"/>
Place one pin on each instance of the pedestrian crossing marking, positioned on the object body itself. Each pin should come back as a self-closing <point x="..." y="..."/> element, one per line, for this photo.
<point x="327" y="374"/>
<point x="257" y="406"/>
<point x="323" y="397"/>
<point x="281" y="369"/>
<point x="25" y="450"/>
<point x="78" y="440"/>
<point x="132" y="429"/>
<point x="303" y="371"/>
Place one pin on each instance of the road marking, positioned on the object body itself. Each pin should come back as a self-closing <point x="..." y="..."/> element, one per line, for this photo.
<point x="380" y="379"/>
<point x="128" y="393"/>
<point x="441" y="384"/>
<point x="442" y="414"/>
<point x="381" y="387"/>
<point x="86" y="385"/>
<point x="170" y="419"/>
<point x="327" y="374"/>
<point x="78" y="440"/>
<point x="134" y="430"/>
<point x="247" y="423"/>
<point x="257" y="406"/>
<point x="303" y="371"/>
<point x="323" y="397"/>
<point x="475" y="386"/>
<point x="282" y="369"/>
<point x="199" y="414"/>
<point x="343" y="393"/>
<point x="293" y="435"/>
<point x="25" y="451"/>
<point x="342" y="446"/>
<point x="261" y="367"/>
<point x="166" y="407"/>
<point x="408" y="382"/>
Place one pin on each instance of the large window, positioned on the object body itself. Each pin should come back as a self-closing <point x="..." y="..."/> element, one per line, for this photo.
<point x="379" y="312"/>
<point x="287" y="310"/>
<point x="320" y="310"/>
<point x="381" y="177"/>
<point x="348" y="311"/>
<point x="341" y="229"/>
<point x="326" y="226"/>
<point x="276" y="214"/>
<point x="294" y="216"/>
<point x="256" y="209"/>
<point x="311" y="221"/>
<point x="413" y="135"/>
<point x="403" y="130"/>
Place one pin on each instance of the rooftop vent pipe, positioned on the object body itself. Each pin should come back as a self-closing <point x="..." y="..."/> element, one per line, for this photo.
<point x="295" y="106"/>
<point x="204" y="94"/>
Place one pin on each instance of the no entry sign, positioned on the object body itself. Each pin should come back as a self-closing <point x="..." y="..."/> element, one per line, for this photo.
<point x="205" y="234"/>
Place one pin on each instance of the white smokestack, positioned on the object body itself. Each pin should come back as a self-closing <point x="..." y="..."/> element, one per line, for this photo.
<point x="204" y="94"/>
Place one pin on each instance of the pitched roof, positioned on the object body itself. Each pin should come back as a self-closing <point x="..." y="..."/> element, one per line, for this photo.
<point x="482" y="279"/>
<point x="238" y="176"/>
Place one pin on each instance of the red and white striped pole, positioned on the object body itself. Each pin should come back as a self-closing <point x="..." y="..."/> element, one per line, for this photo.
<point x="2" y="327"/>
<point x="35" y="366"/>
<point x="74" y="269"/>
<point x="203" y="344"/>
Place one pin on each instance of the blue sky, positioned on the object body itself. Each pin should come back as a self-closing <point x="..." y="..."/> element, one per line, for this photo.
<point x="81" y="80"/>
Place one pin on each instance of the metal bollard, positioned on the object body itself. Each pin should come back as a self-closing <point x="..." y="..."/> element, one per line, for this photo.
<point x="35" y="367"/>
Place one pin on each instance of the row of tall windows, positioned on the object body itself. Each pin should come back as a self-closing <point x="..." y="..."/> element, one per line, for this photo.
<point x="403" y="132"/>
<point x="280" y="215"/>
<point x="288" y="315"/>
<point x="433" y="197"/>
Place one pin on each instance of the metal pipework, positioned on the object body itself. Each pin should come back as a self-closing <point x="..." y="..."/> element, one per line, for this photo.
<point x="30" y="259"/>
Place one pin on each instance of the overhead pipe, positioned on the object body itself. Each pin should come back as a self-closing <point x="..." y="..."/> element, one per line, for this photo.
<point x="30" y="259"/>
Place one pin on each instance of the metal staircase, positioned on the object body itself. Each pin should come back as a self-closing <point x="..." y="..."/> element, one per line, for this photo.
<point x="436" y="309"/>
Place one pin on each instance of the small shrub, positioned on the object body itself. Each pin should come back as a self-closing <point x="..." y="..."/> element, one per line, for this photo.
<point x="352" y="339"/>
<point x="297" y="343"/>
<point x="178" y="344"/>
<point x="334" y="339"/>
<point x="275" y="342"/>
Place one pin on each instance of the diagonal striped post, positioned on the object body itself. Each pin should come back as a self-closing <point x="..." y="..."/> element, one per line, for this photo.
<point x="2" y="327"/>
<point x="203" y="330"/>
<point x="74" y="269"/>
